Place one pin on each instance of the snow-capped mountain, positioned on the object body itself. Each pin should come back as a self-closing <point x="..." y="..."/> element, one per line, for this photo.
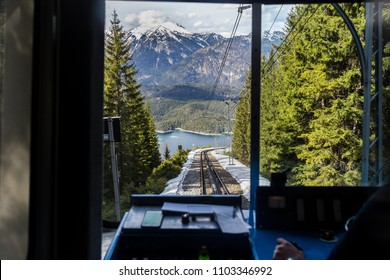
<point x="269" y="39"/>
<point x="148" y="30"/>
<point x="157" y="48"/>
<point x="170" y="54"/>
<point x="203" y="66"/>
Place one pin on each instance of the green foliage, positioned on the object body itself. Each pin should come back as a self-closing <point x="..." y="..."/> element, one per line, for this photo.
<point x="277" y="124"/>
<point x="386" y="59"/>
<point x="168" y="169"/>
<point x="187" y="92"/>
<point x="324" y="92"/>
<point x="241" y="128"/>
<point x="311" y="102"/>
<point x="180" y="157"/>
<point x="138" y="152"/>
<point x="194" y="115"/>
<point x="167" y="154"/>
<point x="386" y="87"/>
<point x="109" y="209"/>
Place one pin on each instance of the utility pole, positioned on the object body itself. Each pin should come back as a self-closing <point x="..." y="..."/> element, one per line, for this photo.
<point x="231" y="160"/>
<point x="111" y="137"/>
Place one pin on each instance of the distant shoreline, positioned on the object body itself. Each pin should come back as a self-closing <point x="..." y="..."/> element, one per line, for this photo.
<point x="189" y="131"/>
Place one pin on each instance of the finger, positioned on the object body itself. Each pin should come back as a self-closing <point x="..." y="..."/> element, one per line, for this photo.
<point x="281" y="240"/>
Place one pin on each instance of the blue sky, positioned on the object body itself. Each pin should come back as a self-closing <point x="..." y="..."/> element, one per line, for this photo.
<point x="195" y="17"/>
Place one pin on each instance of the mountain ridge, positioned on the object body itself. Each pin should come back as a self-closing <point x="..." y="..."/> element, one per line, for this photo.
<point x="167" y="54"/>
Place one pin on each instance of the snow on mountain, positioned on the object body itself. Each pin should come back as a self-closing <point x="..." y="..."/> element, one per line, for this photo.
<point x="168" y="53"/>
<point x="168" y="27"/>
<point x="202" y="66"/>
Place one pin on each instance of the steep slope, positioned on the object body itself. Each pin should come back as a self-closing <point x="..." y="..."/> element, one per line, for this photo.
<point x="170" y="54"/>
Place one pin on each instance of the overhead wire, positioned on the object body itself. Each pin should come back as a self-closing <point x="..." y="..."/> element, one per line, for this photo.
<point x="267" y="32"/>
<point x="225" y="55"/>
<point x="278" y="50"/>
<point x="285" y="38"/>
<point x="293" y="38"/>
<point x="276" y="17"/>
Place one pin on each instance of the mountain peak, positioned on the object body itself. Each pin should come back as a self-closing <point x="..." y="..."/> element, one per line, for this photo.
<point x="167" y="53"/>
<point x="272" y="36"/>
<point x="165" y="26"/>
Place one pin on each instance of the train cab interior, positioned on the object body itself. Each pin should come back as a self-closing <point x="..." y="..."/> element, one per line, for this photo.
<point x="51" y="156"/>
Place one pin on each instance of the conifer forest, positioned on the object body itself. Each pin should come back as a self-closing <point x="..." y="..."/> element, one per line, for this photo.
<point x="311" y="110"/>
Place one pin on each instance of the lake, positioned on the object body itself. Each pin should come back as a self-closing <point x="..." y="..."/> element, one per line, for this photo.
<point x="190" y="140"/>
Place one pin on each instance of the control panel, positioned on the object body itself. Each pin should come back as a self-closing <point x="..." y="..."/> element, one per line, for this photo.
<point x="314" y="208"/>
<point x="182" y="227"/>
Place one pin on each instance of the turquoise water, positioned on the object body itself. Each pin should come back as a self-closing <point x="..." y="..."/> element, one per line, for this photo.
<point x="189" y="140"/>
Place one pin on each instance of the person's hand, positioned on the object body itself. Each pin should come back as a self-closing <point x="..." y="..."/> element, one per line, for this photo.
<point x="285" y="250"/>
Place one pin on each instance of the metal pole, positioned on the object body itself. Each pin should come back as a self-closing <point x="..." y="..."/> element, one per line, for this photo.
<point x="367" y="95"/>
<point x="232" y="109"/>
<point x="255" y="107"/>
<point x="115" y="177"/>
<point x="378" y="42"/>
<point x="373" y="103"/>
<point x="355" y="37"/>
<point x="228" y="129"/>
<point x="228" y="132"/>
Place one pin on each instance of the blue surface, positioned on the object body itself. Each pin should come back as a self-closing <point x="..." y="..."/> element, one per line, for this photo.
<point x="264" y="242"/>
<point x="111" y="249"/>
<point x="314" y="248"/>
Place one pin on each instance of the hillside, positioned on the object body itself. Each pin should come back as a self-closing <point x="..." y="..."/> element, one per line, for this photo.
<point x="178" y="69"/>
<point x="195" y="115"/>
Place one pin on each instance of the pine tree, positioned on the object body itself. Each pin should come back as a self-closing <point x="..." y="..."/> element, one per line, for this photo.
<point x="241" y="129"/>
<point x="154" y="157"/>
<point x="167" y="155"/>
<point x="323" y="96"/>
<point x="138" y="151"/>
<point x="275" y="134"/>
<point x="311" y="103"/>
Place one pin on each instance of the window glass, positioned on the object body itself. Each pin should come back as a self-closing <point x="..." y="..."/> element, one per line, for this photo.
<point x="16" y="33"/>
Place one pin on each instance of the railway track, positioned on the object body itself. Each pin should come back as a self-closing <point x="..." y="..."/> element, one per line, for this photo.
<point x="193" y="184"/>
<point x="211" y="182"/>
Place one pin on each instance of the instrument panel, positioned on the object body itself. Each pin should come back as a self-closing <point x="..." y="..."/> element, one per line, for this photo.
<point x="322" y="208"/>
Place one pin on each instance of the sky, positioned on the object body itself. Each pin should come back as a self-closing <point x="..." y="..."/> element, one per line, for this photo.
<point x="195" y="17"/>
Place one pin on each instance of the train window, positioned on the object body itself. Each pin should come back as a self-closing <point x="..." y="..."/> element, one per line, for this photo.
<point x="322" y="111"/>
<point x="320" y="126"/>
<point x="311" y="115"/>
<point x="315" y="113"/>
<point x="16" y="23"/>
<point x="310" y="129"/>
<point x="192" y="61"/>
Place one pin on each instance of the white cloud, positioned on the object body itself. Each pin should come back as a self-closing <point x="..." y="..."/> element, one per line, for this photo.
<point x="191" y="15"/>
<point x="144" y="17"/>
<point x="230" y="6"/>
<point x="151" y="17"/>
<point x="131" y="19"/>
<point x="197" y="24"/>
<point x="218" y="18"/>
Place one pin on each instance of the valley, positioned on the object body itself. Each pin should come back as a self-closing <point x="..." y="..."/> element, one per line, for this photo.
<point x="180" y="76"/>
